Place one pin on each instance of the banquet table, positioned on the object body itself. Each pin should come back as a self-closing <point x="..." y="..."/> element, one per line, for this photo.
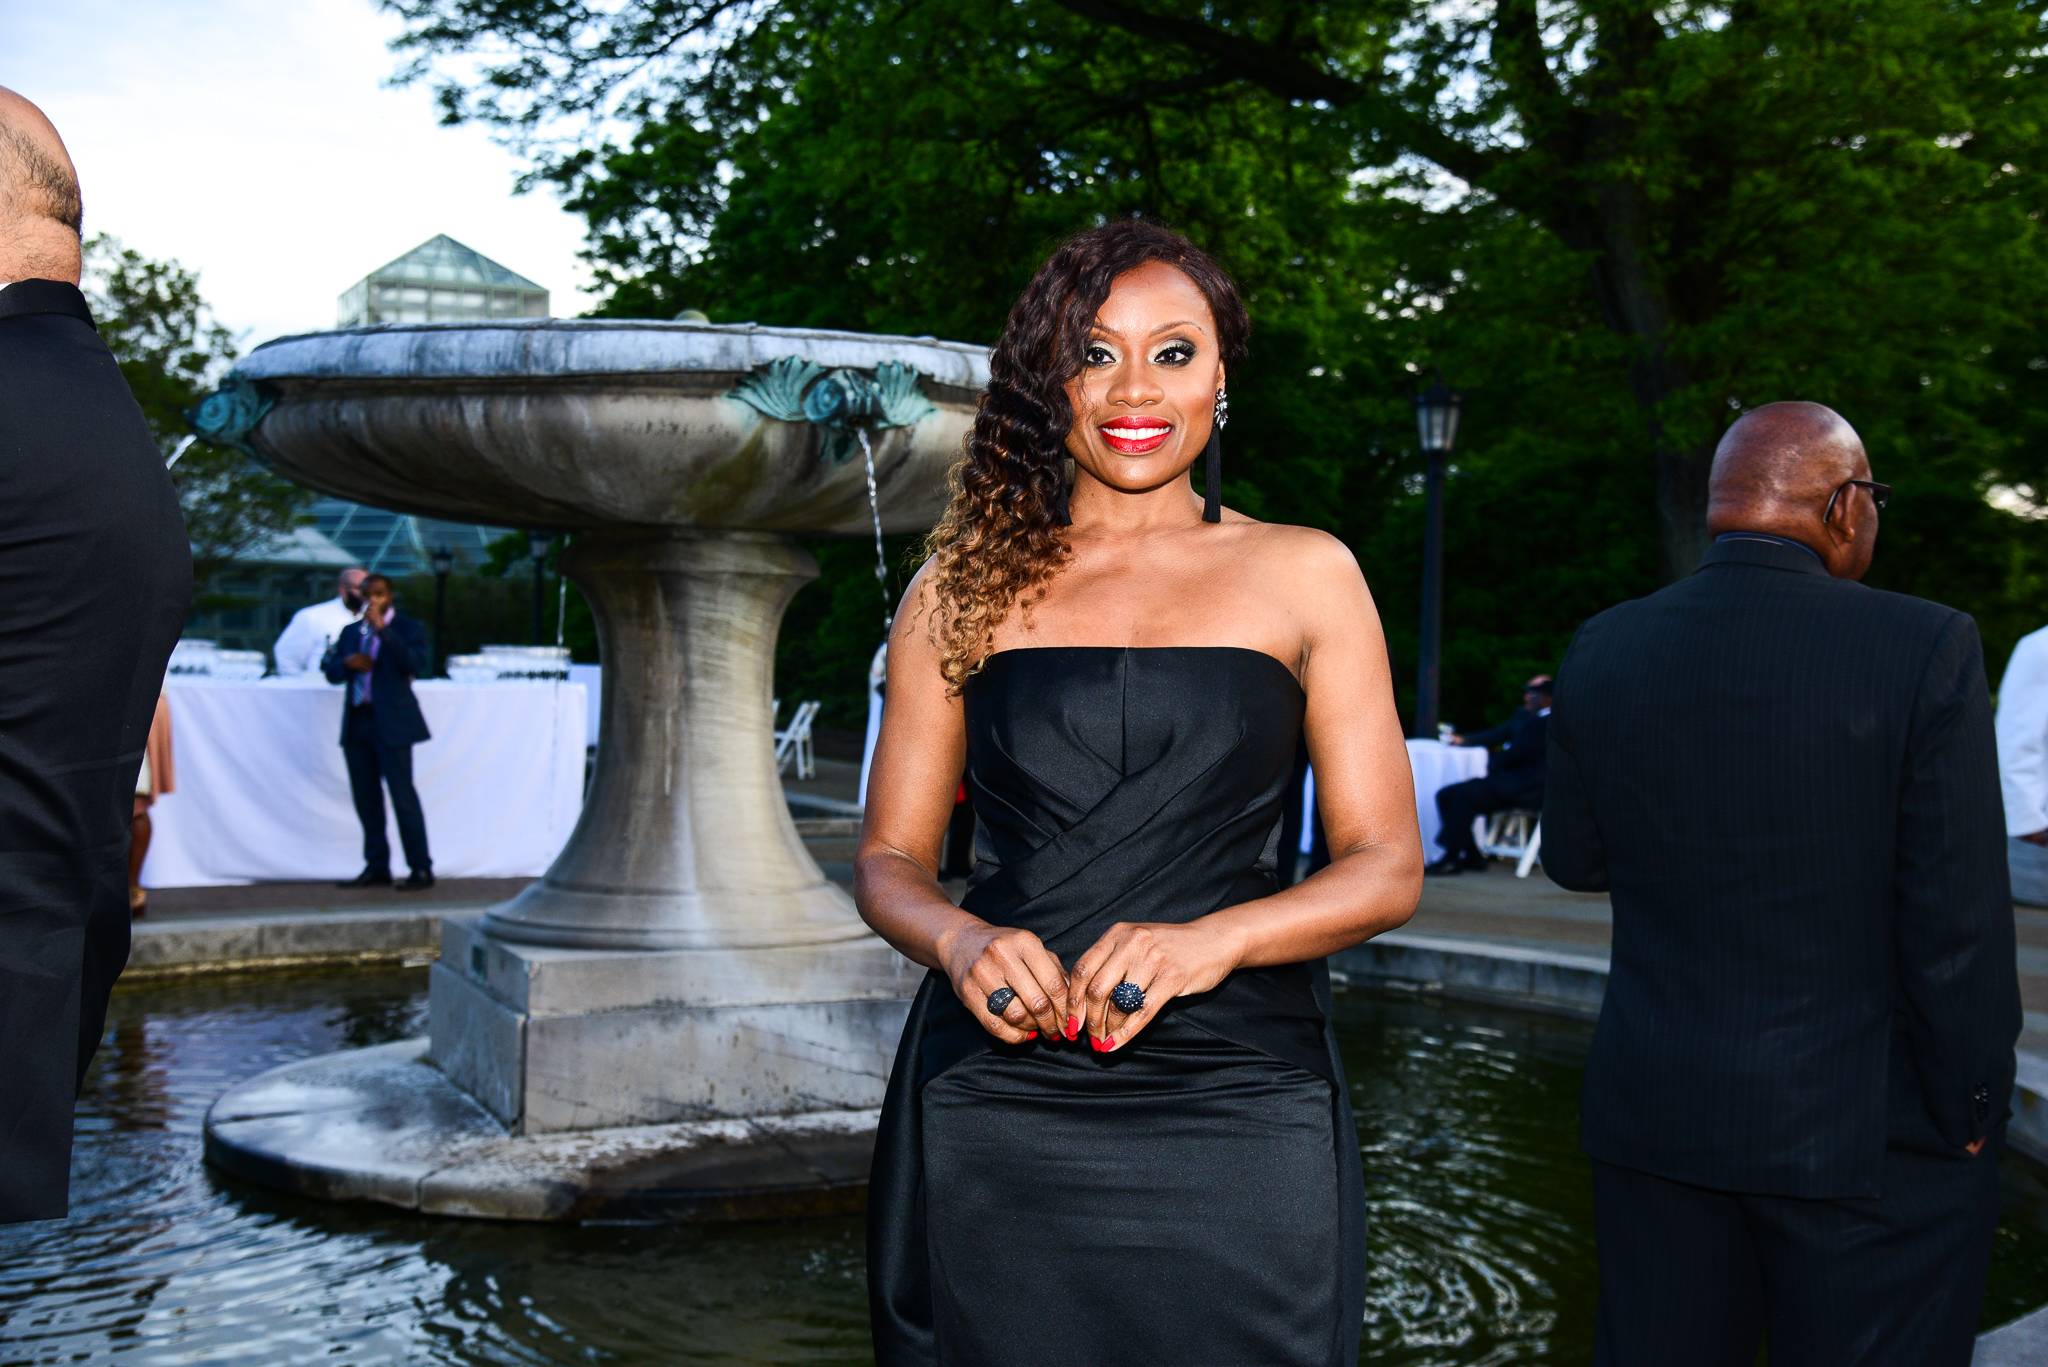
<point x="262" y="793"/>
<point x="1437" y="765"/>
<point x="1433" y="765"/>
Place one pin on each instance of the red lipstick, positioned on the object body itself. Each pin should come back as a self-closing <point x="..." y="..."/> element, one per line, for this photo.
<point x="1134" y="436"/>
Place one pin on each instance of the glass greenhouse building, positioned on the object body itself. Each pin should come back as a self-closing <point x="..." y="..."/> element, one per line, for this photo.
<point x="441" y="281"/>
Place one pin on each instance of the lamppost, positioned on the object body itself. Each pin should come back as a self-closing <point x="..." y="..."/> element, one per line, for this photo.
<point x="443" y="561"/>
<point x="1436" y="416"/>
<point x="537" y="545"/>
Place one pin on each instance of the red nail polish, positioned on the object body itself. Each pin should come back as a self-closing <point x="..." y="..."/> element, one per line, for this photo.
<point x="1108" y="1045"/>
<point x="1073" y="1026"/>
<point x="1032" y="1035"/>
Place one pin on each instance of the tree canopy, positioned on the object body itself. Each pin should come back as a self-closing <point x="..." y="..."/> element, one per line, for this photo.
<point x="1612" y="225"/>
<point x="171" y="351"/>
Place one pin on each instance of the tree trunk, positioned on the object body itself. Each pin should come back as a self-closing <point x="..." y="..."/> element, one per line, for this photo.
<point x="1682" y="507"/>
<point x="1634" y="302"/>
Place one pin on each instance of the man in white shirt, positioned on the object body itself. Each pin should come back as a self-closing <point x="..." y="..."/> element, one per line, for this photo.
<point x="312" y="631"/>
<point x="2023" y="766"/>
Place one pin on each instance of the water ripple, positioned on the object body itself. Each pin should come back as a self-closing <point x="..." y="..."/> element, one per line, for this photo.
<point x="1479" y="1233"/>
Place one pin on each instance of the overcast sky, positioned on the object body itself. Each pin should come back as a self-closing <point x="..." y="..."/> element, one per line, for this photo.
<point x="256" y="142"/>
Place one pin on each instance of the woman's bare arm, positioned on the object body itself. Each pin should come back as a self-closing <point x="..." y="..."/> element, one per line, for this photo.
<point x="917" y="766"/>
<point x="1365" y="789"/>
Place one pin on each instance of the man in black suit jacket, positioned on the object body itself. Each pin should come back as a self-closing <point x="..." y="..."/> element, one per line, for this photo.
<point x="1514" y="778"/>
<point x="376" y="660"/>
<point x="95" y="577"/>
<point x="1800" y="1078"/>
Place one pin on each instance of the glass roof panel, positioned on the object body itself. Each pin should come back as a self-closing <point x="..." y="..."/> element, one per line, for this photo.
<point x="444" y="261"/>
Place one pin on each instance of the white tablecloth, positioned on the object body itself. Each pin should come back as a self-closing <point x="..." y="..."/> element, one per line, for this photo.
<point x="1434" y="765"/>
<point x="592" y="679"/>
<point x="263" y="794"/>
<point x="1437" y="765"/>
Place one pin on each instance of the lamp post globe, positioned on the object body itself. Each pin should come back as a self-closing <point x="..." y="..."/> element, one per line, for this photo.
<point x="1437" y="410"/>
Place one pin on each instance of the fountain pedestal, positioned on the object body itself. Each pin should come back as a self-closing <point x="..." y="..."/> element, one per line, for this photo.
<point x="685" y="841"/>
<point x="684" y="958"/>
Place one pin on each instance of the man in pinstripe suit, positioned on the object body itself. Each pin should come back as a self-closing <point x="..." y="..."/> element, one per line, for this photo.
<point x="1800" y="1078"/>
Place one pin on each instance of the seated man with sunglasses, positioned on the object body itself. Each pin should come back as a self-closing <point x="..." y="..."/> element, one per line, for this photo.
<point x="1799" y="1083"/>
<point x="1514" y="778"/>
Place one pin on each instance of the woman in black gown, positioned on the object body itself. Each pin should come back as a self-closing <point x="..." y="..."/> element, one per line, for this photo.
<point x="1116" y="1131"/>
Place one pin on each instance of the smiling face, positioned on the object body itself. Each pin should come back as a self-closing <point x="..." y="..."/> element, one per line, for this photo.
<point x="1145" y="398"/>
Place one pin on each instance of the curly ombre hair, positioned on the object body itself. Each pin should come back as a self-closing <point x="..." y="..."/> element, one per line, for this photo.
<point x="1001" y="538"/>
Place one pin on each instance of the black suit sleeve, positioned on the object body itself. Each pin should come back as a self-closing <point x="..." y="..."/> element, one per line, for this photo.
<point x="1954" y="931"/>
<point x="1491" y="736"/>
<point x="331" y="663"/>
<point x="1573" y="856"/>
<point x="401" y="645"/>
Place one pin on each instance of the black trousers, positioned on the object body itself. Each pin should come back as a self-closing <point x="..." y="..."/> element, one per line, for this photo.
<point x="1458" y="804"/>
<point x="373" y="767"/>
<point x="1691" y="1277"/>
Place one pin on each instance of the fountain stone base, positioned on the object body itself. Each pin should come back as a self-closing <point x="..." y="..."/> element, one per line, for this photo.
<point x="577" y="1084"/>
<point x="551" y="1039"/>
<point x="384" y="1125"/>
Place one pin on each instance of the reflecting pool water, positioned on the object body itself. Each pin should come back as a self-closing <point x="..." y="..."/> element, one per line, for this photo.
<point x="1480" y="1217"/>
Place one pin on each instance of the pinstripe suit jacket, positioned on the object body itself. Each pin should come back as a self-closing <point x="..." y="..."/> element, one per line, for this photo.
<point x="1789" y="785"/>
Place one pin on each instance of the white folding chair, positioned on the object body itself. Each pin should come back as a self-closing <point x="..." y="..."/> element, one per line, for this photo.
<point x="794" y="741"/>
<point x="806" y="758"/>
<point x="1515" y="833"/>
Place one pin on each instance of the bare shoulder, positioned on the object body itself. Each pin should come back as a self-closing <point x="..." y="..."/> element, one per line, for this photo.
<point x="912" y="635"/>
<point x="1308" y="559"/>
<point x="919" y="592"/>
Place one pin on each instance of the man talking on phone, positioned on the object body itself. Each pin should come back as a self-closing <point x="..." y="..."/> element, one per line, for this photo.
<point x="375" y="660"/>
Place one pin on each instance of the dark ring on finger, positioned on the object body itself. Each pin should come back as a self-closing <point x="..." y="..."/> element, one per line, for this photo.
<point x="1128" y="997"/>
<point x="999" y="999"/>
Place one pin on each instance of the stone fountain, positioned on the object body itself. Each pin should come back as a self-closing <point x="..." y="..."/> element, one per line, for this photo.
<point x="683" y="1017"/>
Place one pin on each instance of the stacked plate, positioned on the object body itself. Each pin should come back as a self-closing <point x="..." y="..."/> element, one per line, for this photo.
<point x="193" y="658"/>
<point x="511" y="664"/>
<point x="238" y="664"/>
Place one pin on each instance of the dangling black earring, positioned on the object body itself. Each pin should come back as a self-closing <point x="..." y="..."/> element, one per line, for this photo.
<point x="1212" y="494"/>
<point x="1060" y="514"/>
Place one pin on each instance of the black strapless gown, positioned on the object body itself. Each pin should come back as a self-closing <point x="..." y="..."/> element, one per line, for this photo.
<point x="1195" y="1197"/>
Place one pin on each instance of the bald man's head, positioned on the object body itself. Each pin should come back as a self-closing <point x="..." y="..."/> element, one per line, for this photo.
<point x="1776" y="471"/>
<point x="41" y="214"/>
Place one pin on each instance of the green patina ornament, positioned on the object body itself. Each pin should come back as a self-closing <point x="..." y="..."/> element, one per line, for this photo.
<point x="230" y="414"/>
<point x="777" y="389"/>
<point x="842" y="403"/>
<point x="902" y="400"/>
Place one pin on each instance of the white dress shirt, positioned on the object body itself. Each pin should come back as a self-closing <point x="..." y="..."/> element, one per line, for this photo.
<point x="310" y="634"/>
<point x="2023" y="736"/>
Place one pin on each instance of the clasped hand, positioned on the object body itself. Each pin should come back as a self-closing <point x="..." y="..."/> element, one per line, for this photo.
<point x="1164" y="959"/>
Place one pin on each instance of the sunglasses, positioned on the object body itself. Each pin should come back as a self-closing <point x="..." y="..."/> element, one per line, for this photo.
<point x="1880" y="494"/>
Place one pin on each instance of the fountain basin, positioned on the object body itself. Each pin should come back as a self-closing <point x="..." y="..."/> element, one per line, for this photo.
<point x="601" y="423"/>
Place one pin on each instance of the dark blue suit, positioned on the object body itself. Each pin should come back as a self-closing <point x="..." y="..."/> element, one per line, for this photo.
<point x="377" y="737"/>
<point x="1514" y="778"/>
